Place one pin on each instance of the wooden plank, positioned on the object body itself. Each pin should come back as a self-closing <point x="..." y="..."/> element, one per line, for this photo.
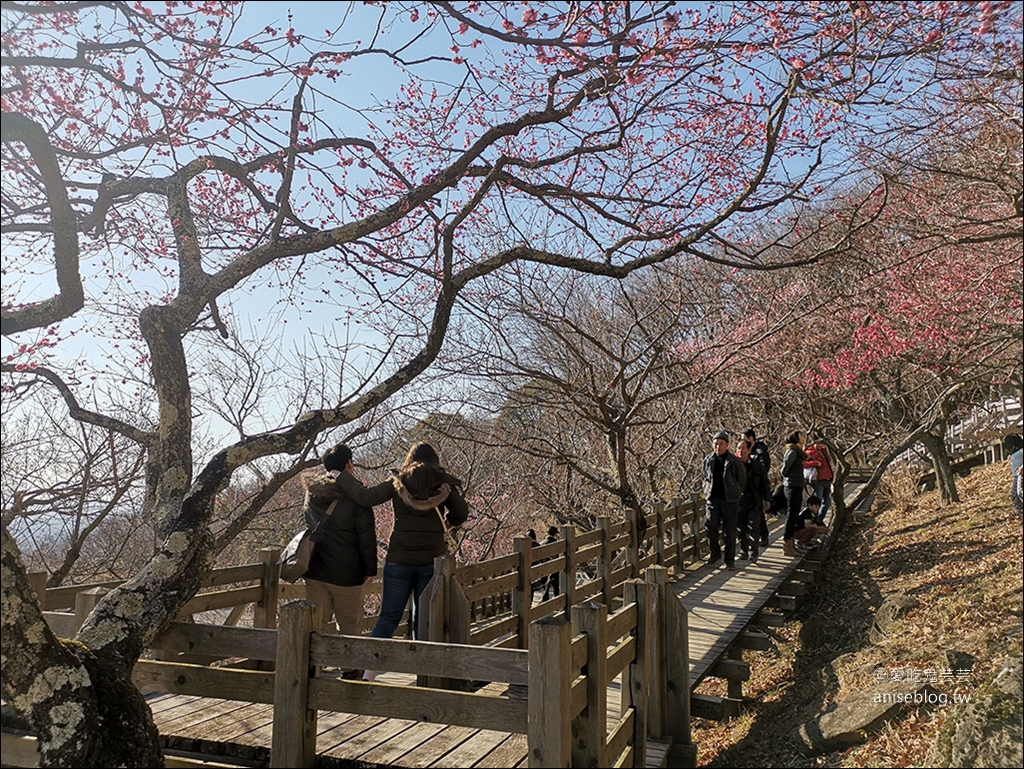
<point x="475" y="748"/>
<point x="620" y="657"/>
<point x="622" y="622"/>
<point x="588" y="538"/>
<point x="62" y="624"/>
<point x="619" y="738"/>
<point x="395" y="655"/>
<point x="22" y="751"/>
<point x="354" y="748"/>
<point x="226" y="683"/>
<point x="734" y="670"/>
<point x="245" y="718"/>
<point x="182" y="720"/>
<point x="246" y="572"/>
<point x="19" y="750"/>
<point x="64" y="597"/>
<point x="769" y="618"/>
<point x="512" y="750"/>
<point x="492" y="587"/>
<point x="793" y="588"/>
<point x="479" y="711"/>
<point x="219" y="641"/>
<point x="222" y="599"/>
<point x="331" y="742"/>
<point x="434" y="751"/>
<point x="754" y="640"/>
<point x="783" y="602"/>
<point x="713" y="708"/>
<point x="392" y="750"/>
<point x="488" y="569"/>
<point x="492" y="631"/>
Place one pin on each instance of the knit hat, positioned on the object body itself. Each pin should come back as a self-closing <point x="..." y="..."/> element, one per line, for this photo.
<point x="722" y="435"/>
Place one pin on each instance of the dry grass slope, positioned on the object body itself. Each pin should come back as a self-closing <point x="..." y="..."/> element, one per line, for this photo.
<point x="962" y="563"/>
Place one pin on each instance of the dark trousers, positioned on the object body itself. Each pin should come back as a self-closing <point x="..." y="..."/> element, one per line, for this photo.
<point x="747" y="529"/>
<point x="794" y="501"/>
<point x="720" y="515"/>
<point x="550" y="587"/>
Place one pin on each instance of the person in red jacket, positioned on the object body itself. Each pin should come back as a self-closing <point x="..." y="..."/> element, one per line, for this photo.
<point x="818" y="467"/>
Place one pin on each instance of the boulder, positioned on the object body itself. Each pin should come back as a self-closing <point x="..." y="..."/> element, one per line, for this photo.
<point x="852" y="720"/>
<point x="893" y="607"/>
<point x="987" y="731"/>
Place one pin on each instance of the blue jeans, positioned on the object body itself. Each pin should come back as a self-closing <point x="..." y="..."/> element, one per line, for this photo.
<point x="823" y="490"/>
<point x="400" y="582"/>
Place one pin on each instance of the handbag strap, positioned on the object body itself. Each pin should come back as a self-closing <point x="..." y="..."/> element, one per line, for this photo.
<point x="330" y="509"/>
<point x="453" y="546"/>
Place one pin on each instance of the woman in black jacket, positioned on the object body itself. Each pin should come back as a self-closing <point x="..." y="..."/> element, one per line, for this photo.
<point x="793" y="485"/>
<point x="427" y="502"/>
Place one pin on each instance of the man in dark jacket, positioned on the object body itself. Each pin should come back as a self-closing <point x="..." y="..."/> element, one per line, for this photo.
<point x="759" y="454"/>
<point x="725" y="477"/>
<point x="752" y="503"/>
<point x="345" y="554"/>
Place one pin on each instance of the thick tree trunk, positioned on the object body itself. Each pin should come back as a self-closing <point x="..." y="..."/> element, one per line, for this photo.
<point x="82" y="706"/>
<point x="945" y="481"/>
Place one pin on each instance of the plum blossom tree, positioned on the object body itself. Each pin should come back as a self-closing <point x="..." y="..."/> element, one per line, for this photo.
<point x="172" y="171"/>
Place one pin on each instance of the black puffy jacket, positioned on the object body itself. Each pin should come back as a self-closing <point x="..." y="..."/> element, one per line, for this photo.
<point x="346" y="542"/>
<point x="421" y="494"/>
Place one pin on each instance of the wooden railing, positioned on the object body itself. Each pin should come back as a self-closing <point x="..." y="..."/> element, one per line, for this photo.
<point x="567" y="672"/>
<point x="479" y="623"/>
<point x="491" y="602"/>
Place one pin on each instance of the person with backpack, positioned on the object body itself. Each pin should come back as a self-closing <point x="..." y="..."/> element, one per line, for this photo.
<point x="345" y="553"/>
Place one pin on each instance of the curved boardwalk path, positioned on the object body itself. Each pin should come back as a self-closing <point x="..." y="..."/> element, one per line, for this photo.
<point x="724" y="608"/>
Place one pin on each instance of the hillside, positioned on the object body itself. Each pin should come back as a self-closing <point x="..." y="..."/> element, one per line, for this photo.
<point x="961" y="564"/>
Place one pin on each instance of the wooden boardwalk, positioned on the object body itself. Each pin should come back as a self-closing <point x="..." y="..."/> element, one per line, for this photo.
<point x="721" y="605"/>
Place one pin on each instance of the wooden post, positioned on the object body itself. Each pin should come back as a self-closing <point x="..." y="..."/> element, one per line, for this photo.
<point x="434" y="609"/>
<point x="549" y="731"/>
<point x="459" y="615"/>
<point x="659" y="521"/>
<point x="85" y="602"/>
<point x="639" y="685"/>
<point x="37" y="579"/>
<point x="265" y="611"/>
<point x="435" y="613"/>
<point x="569" y="575"/>
<point x="633" y="548"/>
<point x="604" y="561"/>
<point x="522" y="596"/>
<point x="734" y="685"/>
<point x="677" y="532"/>
<point x="293" y="742"/>
<point x="590" y="729"/>
<point x="697" y="509"/>
<point x="675" y="669"/>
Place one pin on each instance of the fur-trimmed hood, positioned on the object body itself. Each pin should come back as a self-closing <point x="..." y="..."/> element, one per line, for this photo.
<point x="320" y="483"/>
<point x="420" y="503"/>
